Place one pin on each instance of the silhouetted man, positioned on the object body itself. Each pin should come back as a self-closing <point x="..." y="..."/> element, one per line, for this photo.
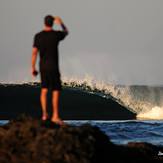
<point x="46" y="43"/>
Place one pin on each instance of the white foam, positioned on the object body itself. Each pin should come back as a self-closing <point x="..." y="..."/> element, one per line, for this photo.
<point x="155" y="113"/>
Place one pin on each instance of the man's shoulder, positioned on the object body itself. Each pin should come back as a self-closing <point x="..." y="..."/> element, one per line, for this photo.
<point x="39" y="33"/>
<point x="44" y="32"/>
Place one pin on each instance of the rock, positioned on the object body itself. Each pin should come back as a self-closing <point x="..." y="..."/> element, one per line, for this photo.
<point x="29" y="140"/>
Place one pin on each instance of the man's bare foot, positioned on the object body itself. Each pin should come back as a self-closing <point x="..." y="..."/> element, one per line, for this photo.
<point x="58" y="121"/>
<point x="44" y="117"/>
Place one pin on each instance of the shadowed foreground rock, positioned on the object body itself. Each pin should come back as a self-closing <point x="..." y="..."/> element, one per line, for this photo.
<point x="28" y="140"/>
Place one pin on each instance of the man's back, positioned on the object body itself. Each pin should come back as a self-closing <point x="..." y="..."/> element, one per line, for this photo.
<point x="47" y="44"/>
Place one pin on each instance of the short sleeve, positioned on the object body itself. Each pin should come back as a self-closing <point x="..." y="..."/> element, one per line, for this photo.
<point x="61" y="35"/>
<point x="36" y="42"/>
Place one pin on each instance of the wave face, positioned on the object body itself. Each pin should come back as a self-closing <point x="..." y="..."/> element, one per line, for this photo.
<point x="145" y="101"/>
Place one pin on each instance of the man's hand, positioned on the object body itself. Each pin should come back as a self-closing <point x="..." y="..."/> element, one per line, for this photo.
<point x="34" y="72"/>
<point x="58" y="20"/>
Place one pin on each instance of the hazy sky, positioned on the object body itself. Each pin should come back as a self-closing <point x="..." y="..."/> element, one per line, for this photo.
<point x="117" y="41"/>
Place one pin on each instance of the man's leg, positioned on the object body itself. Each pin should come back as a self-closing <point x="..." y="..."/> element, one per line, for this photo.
<point x="43" y="99"/>
<point x="55" y="104"/>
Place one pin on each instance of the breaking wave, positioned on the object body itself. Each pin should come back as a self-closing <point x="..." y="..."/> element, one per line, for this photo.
<point x="145" y="101"/>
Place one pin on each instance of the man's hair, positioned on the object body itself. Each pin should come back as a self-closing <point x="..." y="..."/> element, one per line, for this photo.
<point x="49" y="20"/>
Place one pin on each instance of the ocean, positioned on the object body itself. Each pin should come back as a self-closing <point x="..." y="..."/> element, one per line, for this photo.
<point x="143" y="101"/>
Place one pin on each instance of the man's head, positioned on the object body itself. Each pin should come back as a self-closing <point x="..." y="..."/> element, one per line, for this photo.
<point x="49" y="20"/>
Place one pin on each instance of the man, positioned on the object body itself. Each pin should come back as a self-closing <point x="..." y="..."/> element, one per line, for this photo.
<point x="46" y="43"/>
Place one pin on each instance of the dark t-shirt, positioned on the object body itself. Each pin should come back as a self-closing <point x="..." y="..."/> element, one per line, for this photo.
<point x="47" y="44"/>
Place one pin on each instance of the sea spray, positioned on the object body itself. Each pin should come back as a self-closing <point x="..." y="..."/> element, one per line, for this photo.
<point x="155" y="113"/>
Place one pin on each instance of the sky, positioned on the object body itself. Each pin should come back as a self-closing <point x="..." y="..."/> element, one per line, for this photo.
<point x="115" y="41"/>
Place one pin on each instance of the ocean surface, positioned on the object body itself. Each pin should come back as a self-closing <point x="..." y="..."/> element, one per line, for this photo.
<point x="145" y="101"/>
<point x="122" y="132"/>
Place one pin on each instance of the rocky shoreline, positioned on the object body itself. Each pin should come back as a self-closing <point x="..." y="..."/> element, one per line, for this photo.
<point x="28" y="139"/>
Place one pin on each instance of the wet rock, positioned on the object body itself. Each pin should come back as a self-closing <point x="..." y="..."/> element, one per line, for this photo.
<point x="29" y="140"/>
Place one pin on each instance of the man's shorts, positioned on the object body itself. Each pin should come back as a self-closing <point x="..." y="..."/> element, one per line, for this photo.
<point x="51" y="80"/>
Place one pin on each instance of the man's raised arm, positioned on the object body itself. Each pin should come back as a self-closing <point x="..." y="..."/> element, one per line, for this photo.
<point x="58" y="20"/>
